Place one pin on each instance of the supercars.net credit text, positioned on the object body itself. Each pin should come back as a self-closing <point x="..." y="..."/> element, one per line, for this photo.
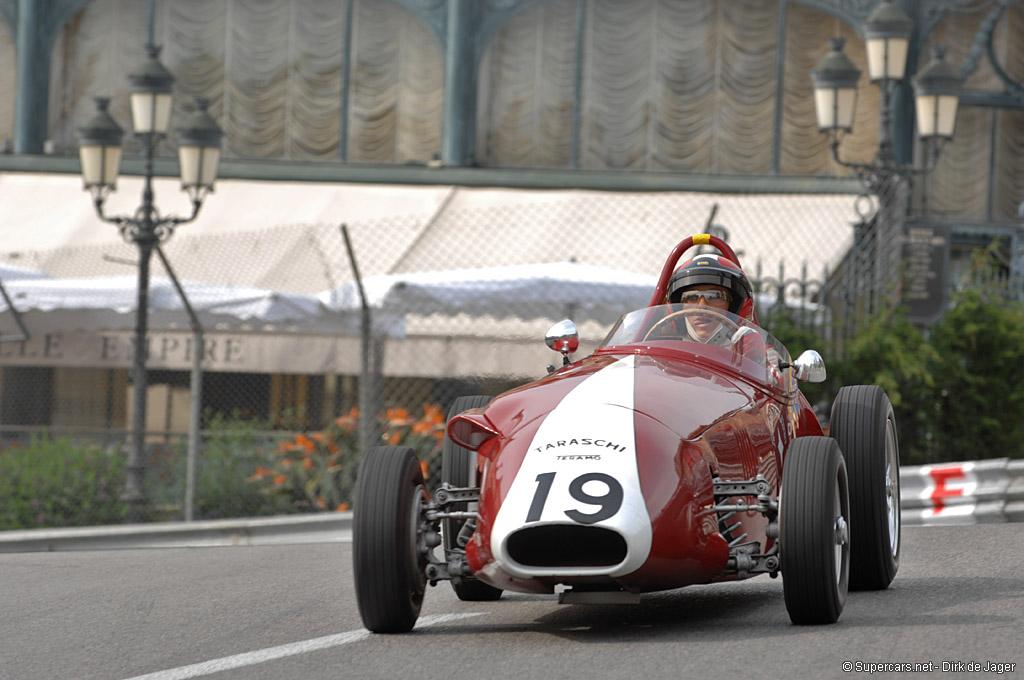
<point x="929" y="667"/>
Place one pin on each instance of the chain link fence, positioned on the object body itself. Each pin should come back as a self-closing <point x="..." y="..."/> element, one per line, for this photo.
<point x="286" y="376"/>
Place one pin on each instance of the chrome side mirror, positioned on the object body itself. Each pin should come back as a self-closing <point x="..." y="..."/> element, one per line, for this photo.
<point x="563" y="337"/>
<point x="810" y="367"/>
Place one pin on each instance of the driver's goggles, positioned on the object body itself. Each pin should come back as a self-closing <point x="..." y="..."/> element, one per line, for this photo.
<point x="711" y="297"/>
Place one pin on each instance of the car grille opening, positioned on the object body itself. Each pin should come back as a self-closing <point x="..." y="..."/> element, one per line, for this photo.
<point x="566" y="545"/>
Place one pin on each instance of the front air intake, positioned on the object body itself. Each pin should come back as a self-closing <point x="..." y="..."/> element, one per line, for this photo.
<point x="566" y="545"/>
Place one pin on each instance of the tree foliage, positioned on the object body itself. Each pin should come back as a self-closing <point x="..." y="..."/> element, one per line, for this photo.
<point x="979" y="377"/>
<point x="957" y="389"/>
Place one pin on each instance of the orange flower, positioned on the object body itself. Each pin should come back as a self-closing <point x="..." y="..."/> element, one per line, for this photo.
<point x="423" y="467"/>
<point x="286" y="462"/>
<point x="260" y="473"/>
<point x="307" y="463"/>
<point x="279" y="480"/>
<point x="432" y="412"/>
<point x="398" y="416"/>
<point x="394" y="438"/>
<point x="342" y="507"/>
<point x="422" y="427"/>
<point x="348" y="422"/>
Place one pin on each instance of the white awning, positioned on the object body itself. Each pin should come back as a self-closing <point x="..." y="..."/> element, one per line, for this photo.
<point x="109" y="303"/>
<point x="552" y="290"/>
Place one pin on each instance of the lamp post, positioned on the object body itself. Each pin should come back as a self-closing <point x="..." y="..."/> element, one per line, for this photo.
<point x="100" y="151"/>
<point x="887" y="32"/>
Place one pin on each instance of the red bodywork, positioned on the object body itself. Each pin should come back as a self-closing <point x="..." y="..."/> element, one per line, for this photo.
<point x="699" y="413"/>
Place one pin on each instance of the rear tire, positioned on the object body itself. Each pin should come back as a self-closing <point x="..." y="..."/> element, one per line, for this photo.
<point x="388" y="560"/>
<point x="458" y="468"/>
<point x="814" y="539"/>
<point x="865" y="427"/>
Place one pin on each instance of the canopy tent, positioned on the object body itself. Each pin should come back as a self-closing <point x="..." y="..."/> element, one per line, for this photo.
<point x="10" y="272"/>
<point x="584" y="293"/>
<point x="109" y="303"/>
<point x="551" y="290"/>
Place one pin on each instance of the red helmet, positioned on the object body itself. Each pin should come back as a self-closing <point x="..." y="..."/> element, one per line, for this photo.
<point x="715" y="270"/>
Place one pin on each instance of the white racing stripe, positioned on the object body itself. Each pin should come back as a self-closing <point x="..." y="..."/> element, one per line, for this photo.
<point x="589" y="434"/>
<point x="227" y="663"/>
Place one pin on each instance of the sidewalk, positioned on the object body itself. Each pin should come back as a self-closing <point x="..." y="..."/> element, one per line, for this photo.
<point x="334" y="527"/>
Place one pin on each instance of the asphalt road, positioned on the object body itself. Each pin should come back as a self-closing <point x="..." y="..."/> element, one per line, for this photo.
<point x="263" y="612"/>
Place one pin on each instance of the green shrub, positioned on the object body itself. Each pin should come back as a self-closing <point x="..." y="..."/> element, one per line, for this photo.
<point x="232" y="448"/>
<point x="893" y="353"/>
<point x="58" y="483"/>
<point x="979" y="377"/>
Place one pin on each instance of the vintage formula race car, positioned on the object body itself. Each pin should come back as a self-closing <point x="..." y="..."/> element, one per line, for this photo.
<point x="656" y="462"/>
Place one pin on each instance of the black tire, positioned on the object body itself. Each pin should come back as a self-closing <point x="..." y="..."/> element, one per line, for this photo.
<point x="814" y="544"/>
<point x="458" y="468"/>
<point x="388" y="562"/>
<point x="865" y="427"/>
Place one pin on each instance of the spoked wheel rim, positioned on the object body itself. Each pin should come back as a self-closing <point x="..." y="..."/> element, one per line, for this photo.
<point x="892" y="486"/>
<point x="417" y="543"/>
<point x="841" y="536"/>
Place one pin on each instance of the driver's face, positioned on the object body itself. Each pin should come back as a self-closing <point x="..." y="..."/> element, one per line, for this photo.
<point x="704" y="325"/>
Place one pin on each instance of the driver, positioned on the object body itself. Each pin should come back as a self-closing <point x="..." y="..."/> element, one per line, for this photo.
<point x="715" y="283"/>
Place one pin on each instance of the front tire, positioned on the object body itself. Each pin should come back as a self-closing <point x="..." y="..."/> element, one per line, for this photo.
<point x="458" y="468"/>
<point x="814" y="541"/>
<point x="865" y="427"/>
<point x="387" y="553"/>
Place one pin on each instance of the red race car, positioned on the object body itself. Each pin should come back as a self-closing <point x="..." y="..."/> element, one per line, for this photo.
<point x="657" y="462"/>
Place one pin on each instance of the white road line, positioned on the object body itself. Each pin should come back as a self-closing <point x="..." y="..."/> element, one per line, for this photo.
<point x="197" y="670"/>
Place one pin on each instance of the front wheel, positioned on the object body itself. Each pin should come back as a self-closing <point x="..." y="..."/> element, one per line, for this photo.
<point x="865" y="427"/>
<point x="814" y="538"/>
<point x="388" y="552"/>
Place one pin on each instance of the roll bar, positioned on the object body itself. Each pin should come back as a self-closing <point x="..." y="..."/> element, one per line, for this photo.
<point x="670" y="264"/>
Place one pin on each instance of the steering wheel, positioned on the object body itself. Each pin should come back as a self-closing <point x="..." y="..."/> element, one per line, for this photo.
<point x="693" y="311"/>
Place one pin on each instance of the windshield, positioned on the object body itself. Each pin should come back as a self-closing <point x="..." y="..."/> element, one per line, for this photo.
<point x="714" y="335"/>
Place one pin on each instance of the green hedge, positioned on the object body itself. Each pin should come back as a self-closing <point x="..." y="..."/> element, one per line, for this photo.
<point x="233" y="449"/>
<point x="58" y="483"/>
<point x="978" y="373"/>
<point x="957" y="388"/>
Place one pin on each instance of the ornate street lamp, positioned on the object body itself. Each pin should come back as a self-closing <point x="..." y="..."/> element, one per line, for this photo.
<point x="100" y="152"/>
<point x="835" y="89"/>
<point x="887" y="32"/>
<point x="937" y="97"/>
